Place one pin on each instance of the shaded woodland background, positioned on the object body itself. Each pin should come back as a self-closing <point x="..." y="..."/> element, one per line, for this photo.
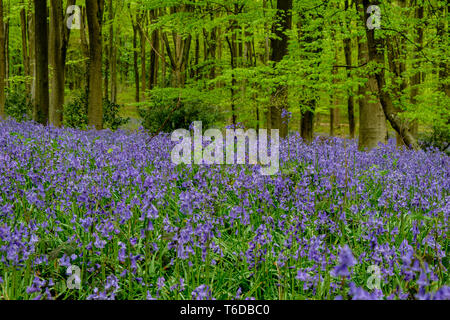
<point x="312" y="66"/>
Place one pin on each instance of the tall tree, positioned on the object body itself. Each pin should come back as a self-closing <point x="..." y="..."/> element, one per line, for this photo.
<point x="142" y="20"/>
<point x="25" y="47"/>
<point x="348" y="62"/>
<point x="372" y="121"/>
<point x="41" y="102"/>
<point x="179" y="55"/>
<point x="279" y="45"/>
<point x="2" y="63"/>
<point x="416" y="78"/>
<point x="94" y="11"/>
<point x="376" y="44"/>
<point x="59" y="40"/>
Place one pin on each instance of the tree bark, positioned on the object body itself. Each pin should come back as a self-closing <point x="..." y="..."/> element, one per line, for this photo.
<point x="376" y="54"/>
<point x="135" y="64"/>
<point x="179" y="56"/>
<point x="307" y="124"/>
<point x="94" y="11"/>
<point x="372" y="121"/>
<point x="141" y="23"/>
<point x="25" y="52"/>
<point x="41" y="103"/>
<point x="2" y="63"/>
<point x="154" y="59"/>
<point x="416" y="78"/>
<point x="32" y="39"/>
<point x="59" y="39"/>
<point x="279" y="50"/>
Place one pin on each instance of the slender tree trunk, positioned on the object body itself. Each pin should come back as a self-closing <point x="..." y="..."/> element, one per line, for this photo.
<point x="107" y="50"/>
<point x="143" y="62"/>
<point x="178" y="57"/>
<point x="32" y="39"/>
<point x="94" y="11"/>
<point x="136" y="66"/>
<point x="25" y="52"/>
<point x="56" y="63"/>
<point x="233" y="53"/>
<point x="112" y="54"/>
<point x="7" y="52"/>
<point x="279" y="101"/>
<point x="266" y="38"/>
<point x="334" y="110"/>
<point x="442" y="32"/>
<point x="2" y="63"/>
<point x="416" y="78"/>
<point x="41" y="103"/>
<point x="154" y="59"/>
<point x="348" y="62"/>
<point x="114" y="74"/>
<point x="84" y="47"/>
<point x="163" y="62"/>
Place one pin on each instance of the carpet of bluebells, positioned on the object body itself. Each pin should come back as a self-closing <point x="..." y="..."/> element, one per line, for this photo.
<point x="108" y="211"/>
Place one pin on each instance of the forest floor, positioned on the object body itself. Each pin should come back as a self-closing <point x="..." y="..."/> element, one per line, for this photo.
<point x="333" y="223"/>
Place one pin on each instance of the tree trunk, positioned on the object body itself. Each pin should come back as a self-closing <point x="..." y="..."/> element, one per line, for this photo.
<point x="348" y="61"/>
<point x="41" y="103"/>
<point x="178" y="57"/>
<point x="7" y="52"/>
<point x="307" y="124"/>
<point x="112" y="54"/>
<point x="136" y="66"/>
<point x="32" y="39"/>
<point x="143" y="55"/>
<point x="376" y="54"/>
<point x="84" y="47"/>
<point x="350" y="100"/>
<point x="154" y="59"/>
<point x="416" y="78"/>
<point x="279" y="46"/>
<point x="2" y="63"/>
<point x="56" y="63"/>
<point x="108" y="50"/>
<point x="334" y="110"/>
<point x="25" y="52"/>
<point x="94" y="11"/>
<point x="372" y="122"/>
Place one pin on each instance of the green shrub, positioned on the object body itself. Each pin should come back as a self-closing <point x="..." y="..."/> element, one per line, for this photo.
<point x="111" y="118"/>
<point x="439" y="137"/>
<point x="18" y="105"/>
<point x="75" y="113"/>
<point x="177" y="111"/>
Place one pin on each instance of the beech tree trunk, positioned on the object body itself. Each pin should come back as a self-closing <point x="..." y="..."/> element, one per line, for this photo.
<point x="141" y="22"/>
<point x="25" y="52"/>
<point x="94" y="12"/>
<point x="135" y="64"/>
<point x="372" y="121"/>
<point x="2" y="63"/>
<point x="307" y="124"/>
<point x="416" y="78"/>
<point x="376" y="54"/>
<point x="59" y="39"/>
<point x="279" y="46"/>
<point x="41" y="103"/>
<point x="154" y="59"/>
<point x="32" y="39"/>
